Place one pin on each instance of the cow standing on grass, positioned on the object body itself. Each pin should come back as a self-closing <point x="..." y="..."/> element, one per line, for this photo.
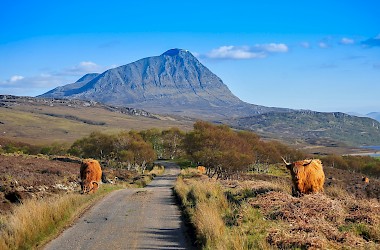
<point x="90" y="175"/>
<point x="307" y="176"/>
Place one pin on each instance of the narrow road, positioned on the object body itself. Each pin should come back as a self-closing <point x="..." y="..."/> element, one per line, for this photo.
<point x="143" y="218"/>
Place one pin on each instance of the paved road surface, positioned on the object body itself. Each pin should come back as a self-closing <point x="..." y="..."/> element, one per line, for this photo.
<point x="144" y="218"/>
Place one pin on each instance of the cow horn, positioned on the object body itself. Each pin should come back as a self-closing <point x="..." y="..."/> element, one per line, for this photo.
<point x="305" y="164"/>
<point x="287" y="163"/>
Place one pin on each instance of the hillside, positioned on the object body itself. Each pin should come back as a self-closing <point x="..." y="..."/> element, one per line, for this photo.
<point x="374" y="115"/>
<point x="44" y="121"/>
<point x="317" y="128"/>
<point x="173" y="83"/>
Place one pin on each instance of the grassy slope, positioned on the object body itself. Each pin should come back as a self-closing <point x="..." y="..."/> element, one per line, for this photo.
<point x="39" y="124"/>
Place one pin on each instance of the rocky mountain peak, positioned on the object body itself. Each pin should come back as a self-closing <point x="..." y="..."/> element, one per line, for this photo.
<point x="175" y="52"/>
<point x="173" y="82"/>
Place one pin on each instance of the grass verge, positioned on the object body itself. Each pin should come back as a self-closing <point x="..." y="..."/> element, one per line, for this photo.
<point x="36" y="222"/>
<point x="219" y="222"/>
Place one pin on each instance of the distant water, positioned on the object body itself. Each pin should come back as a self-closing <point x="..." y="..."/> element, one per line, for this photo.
<point x="377" y="148"/>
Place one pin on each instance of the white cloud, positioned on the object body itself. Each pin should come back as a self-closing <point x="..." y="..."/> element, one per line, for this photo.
<point x="347" y="41"/>
<point x="246" y="52"/>
<point x="35" y="85"/>
<point x="84" y="68"/>
<point x="273" y="47"/>
<point x="30" y="86"/>
<point x="16" y="78"/>
<point x="233" y="52"/>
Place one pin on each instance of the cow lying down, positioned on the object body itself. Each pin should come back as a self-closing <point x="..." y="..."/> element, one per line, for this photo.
<point x="90" y="175"/>
<point x="307" y="176"/>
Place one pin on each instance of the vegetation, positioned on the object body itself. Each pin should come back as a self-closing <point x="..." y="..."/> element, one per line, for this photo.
<point x="123" y="149"/>
<point x="261" y="214"/>
<point x="168" y="144"/>
<point x="222" y="150"/>
<point x="225" y="152"/>
<point x="255" y="212"/>
<point x="36" y="221"/>
<point x="365" y="165"/>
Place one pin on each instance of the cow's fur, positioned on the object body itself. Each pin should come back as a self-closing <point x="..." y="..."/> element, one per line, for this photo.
<point x="201" y="169"/>
<point x="307" y="176"/>
<point x="90" y="174"/>
<point x="365" y="179"/>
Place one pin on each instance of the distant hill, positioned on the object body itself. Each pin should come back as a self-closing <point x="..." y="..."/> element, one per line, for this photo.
<point x="374" y="115"/>
<point x="330" y="129"/>
<point x="173" y="83"/>
<point x="46" y="120"/>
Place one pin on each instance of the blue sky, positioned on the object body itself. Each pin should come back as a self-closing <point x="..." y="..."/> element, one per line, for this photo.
<point x="319" y="55"/>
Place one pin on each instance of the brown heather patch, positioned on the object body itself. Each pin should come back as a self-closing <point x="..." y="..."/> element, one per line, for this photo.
<point x="317" y="221"/>
<point x="262" y="214"/>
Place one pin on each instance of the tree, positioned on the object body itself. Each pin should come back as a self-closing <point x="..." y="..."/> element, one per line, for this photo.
<point x="97" y="145"/>
<point x="154" y="137"/>
<point x="125" y="148"/>
<point x="172" y="142"/>
<point x="221" y="150"/>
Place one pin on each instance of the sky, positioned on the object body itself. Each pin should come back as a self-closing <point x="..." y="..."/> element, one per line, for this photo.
<point x="302" y="54"/>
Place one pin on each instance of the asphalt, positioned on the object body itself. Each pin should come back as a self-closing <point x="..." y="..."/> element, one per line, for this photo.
<point x="140" y="218"/>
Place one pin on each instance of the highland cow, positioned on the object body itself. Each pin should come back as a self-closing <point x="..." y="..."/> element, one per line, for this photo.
<point x="90" y="174"/>
<point x="307" y="176"/>
<point x="201" y="169"/>
<point x="365" y="179"/>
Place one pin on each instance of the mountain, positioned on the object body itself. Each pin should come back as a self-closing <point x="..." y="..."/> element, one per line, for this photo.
<point x="319" y="128"/>
<point x="69" y="89"/>
<point x="374" y="115"/>
<point x="174" y="82"/>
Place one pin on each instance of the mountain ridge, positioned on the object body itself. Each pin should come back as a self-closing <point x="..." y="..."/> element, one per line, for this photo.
<point x="176" y="83"/>
<point x="314" y="127"/>
<point x="173" y="82"/>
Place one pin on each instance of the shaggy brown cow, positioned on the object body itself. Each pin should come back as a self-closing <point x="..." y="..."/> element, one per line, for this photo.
<point x="90" y="174"/>
<point x="307" y="176"/>
<point x="201" y="169"/>
<point x="365" y="179"/>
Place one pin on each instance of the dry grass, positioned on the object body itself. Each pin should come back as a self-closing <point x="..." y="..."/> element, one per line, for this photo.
<point x="261" y="214"/>
<point x="36" y="221"/>
<point x="205" y="205"/>
<point x="156" y="170"/>
<point x="218" y="223"/>
<point x="34" y="122"/>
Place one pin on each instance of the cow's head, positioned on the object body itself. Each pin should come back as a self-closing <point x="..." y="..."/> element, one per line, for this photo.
<point x="88" y="186"/>
<point x="297" y="164"/>
<point x="295" y="167"/>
